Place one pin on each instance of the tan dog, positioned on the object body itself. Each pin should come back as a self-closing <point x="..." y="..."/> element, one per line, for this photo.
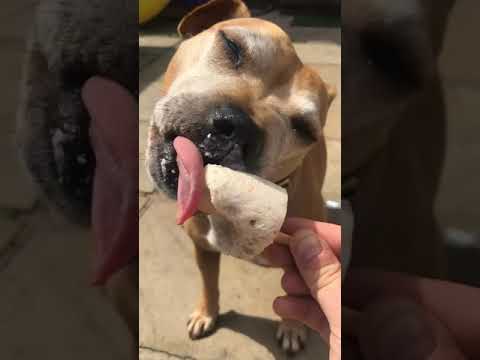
<point x="393" y="131"/>
<point x="237" y="89"/>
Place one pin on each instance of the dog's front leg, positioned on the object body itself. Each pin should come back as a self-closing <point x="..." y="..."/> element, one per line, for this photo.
<point x="202" y="320"/>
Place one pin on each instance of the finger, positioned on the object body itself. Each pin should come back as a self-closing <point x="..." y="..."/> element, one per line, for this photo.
<point x="330" y="232"/>
<point x="278" y="256"/>
<point x="453" y="304"/>
<point x="321" y="271"/>
<point x="305" y="310"/>
<point x="293" y="284"/>
<point x="282" y="239"/>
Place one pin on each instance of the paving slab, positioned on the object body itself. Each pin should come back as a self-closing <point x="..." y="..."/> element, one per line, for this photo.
<point x="144" y="183"/>
<point x="333" y="176"/>
<point x="9" y="227"/>
<point x="10" y="72"/>
<point x="16" y="187"/>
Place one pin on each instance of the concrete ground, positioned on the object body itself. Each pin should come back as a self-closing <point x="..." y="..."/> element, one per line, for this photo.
<point x="169" y="279"/>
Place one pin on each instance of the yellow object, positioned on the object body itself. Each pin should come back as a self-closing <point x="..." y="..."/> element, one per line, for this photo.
<point x="148" y="9"/>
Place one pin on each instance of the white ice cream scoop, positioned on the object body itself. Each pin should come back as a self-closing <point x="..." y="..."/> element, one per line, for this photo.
<point x="246" y="211"/>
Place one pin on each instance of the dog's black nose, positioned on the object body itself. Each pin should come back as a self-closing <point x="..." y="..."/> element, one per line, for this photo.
<point x="224" y="121"/>
<point x="232" y="131"/>
<point x="232" y="121"/>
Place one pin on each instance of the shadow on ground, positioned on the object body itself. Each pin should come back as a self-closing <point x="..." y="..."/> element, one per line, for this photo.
<point x="261" y="330"/>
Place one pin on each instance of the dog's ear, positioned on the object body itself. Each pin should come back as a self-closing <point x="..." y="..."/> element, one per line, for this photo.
<point x="210" y="13"/>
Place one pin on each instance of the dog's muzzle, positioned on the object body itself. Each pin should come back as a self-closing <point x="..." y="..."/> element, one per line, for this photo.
<point x="225" y="135"/>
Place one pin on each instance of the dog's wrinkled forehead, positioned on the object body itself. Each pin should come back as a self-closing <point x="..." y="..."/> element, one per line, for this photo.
<point x="248" y="62"/>
<point x="251" y="50"/>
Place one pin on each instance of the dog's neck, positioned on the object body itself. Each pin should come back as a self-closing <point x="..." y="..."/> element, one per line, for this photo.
<point x="305" y="185"/>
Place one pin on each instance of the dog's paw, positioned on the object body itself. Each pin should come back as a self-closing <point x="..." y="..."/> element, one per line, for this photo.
<point x="200" y="324"/>
<point x="292" y="336"/>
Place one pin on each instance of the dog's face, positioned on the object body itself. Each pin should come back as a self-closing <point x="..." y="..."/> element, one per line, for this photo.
<point x="389" y="51"/>
<point x="72" y="42"/>
<point x="240" y="93"/>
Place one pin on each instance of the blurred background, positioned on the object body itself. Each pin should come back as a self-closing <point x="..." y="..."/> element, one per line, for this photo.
<point x="48" y="309"/>
<point x="458" y="205"/>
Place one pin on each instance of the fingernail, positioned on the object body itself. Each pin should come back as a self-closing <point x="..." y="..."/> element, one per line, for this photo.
<point x="306" y="247"/>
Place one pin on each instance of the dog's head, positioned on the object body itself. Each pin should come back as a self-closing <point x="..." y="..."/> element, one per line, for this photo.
<point x="238" y="90"/>
<point x="389" y="51"/>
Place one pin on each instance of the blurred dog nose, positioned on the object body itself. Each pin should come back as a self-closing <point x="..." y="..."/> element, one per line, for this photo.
<point x="230" y="125"/>
<point x="231" y="121"/>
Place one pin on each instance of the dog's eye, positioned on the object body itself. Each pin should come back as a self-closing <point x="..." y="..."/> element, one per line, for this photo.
<point x="233" y="50"/>
<point x="303" y="129"/>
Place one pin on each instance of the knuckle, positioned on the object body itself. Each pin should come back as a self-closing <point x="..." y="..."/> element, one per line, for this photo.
<point x="318" y="260"/>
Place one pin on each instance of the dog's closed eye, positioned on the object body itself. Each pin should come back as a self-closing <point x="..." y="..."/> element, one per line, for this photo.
<point x="232" y="49"/>
<point x="303" y="129"/>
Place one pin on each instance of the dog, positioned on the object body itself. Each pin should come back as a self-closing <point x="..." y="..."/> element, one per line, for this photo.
<point x="393" y="131"/>
<point x="237" y="82"/>
<point x="72" y="44"/>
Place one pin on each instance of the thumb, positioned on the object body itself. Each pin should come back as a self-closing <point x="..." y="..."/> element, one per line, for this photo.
<point x="321" y="271"/>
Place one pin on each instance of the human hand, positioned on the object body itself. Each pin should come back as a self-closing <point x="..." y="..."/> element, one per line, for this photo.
<point x="312" y="278"/>
<point x="396" y="316"/>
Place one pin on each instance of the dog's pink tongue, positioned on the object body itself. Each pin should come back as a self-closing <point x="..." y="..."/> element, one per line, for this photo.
<point x="113" y="133"/>
<point x="190" y="180"/>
